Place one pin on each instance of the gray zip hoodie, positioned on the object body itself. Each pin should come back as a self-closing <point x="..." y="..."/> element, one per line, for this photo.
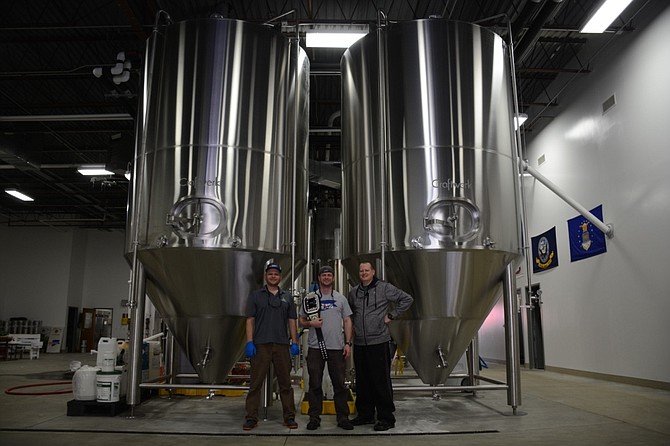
<point x="370" y="304"/>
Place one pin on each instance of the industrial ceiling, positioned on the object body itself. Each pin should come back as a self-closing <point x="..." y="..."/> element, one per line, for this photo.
<point x="56" y="114"/>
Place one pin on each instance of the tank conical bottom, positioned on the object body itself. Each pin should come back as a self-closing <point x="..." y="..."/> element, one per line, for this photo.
<point x="201" y="294"/>
<point x="453" y="291"/>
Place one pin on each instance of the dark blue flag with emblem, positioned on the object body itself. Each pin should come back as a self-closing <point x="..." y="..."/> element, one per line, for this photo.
<point x="545" y="251"/>
<point x="585" y="239"/>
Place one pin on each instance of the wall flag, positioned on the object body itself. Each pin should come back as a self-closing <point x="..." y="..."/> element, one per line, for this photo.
<point x="585" y="239"/>
<point x="545" y="251"/>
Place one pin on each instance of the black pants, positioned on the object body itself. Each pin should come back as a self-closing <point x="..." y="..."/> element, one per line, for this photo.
<point x="336" y="370"/>
<point x="373" y="382"/>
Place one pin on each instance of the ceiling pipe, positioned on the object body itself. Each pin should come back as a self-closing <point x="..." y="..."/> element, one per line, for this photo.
<point x="546" y="14"/>
<point x="528" y="11"/>
<point x="84" y="117"/>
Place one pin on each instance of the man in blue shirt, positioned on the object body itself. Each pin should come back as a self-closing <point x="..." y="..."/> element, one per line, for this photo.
<point x="269" y="311"/>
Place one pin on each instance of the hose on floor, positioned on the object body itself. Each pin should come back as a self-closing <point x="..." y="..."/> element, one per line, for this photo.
<point x="13" y="390"/>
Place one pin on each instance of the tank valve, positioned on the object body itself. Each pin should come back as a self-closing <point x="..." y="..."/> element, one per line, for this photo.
<point x="442" y="360"/>
<point x="488" y="243"/>
<point x="162" y="241"/>
<point x="205" y="358"/>
<point x="417" y="242"/>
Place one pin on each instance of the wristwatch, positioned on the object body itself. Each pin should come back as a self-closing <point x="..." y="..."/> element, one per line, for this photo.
<point x="348" y="343"/>
<point x="390" y="316"/>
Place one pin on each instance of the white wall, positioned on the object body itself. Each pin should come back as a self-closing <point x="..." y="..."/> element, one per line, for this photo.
<point x="609" y="314"/>
<point x="491" y="335"/>
<point x="35" y="274"/>
<point x="105" y="282"/>
<point x="45" y="270"/>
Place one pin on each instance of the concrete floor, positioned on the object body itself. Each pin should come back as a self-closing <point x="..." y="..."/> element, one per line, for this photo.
<point x="556" y="409"/>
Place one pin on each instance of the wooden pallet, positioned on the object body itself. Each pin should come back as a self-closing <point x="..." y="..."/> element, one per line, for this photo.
<point x="78" y="408"/>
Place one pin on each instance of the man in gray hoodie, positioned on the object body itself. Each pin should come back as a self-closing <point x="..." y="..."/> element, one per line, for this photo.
<point x="375" y="304"/>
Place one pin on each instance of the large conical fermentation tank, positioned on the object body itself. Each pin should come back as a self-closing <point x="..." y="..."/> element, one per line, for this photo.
<point x="430" y="178"/>
<point x="220" y="159"/>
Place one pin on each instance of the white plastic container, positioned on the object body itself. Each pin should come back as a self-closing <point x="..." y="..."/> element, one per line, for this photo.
<point x="108" y="386"/>
<point x="124" y="379"/>
<point x="84" y="383"/>
<point x="107" y="352"/>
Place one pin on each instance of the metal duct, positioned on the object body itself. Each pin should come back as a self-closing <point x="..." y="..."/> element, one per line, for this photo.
<point x="528" y="11"/>
<point x="546" y="14"/>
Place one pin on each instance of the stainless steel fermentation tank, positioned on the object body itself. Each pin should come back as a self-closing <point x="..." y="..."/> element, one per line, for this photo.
<point x="221" y="155"/>
<point x="430" y="178"/>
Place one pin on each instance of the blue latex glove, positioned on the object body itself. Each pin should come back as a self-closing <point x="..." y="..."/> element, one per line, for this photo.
<point x="295" y="349"/>
<point x="250" y="349"/>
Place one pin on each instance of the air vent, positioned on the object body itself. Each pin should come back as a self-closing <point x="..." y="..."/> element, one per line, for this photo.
<point x="541" y="160"/>
<point x="609" y="103"/>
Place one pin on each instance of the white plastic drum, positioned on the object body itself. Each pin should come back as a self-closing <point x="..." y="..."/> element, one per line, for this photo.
<point x="108" y="386"/>
<point x="84" y="383"/>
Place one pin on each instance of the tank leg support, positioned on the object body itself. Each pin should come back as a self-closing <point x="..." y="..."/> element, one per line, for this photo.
<point x="511" y="338"/>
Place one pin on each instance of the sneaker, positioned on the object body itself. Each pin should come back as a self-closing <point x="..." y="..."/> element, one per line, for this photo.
<point x="249" y="424"/>
<point x="358" y="421"/>
<point x="291" y="424"/>
<point x="313" y="424"/>
<point x="383" y="426"/>
<point x="345" y="424"/>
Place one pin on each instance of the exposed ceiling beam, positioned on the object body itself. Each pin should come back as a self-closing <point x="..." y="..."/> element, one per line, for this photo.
<point x="84" y="117"/>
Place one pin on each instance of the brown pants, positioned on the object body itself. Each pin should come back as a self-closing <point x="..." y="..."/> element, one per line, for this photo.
<point x="279" y="356"/>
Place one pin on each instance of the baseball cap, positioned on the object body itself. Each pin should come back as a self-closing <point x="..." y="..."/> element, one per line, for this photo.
<point x="326" y="269"/>
<point x="272" y="265"/>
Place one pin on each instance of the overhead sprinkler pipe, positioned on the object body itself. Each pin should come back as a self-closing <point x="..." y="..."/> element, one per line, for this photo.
<point x="606" y="228"/>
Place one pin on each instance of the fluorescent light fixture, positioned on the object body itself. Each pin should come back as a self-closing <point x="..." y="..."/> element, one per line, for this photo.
<point x="605" y="15"/>
<point x="334" y="35"/>
<point x="94" y="169"/>
<point x="331" y="40"/>
<point x="21" y="196"/>
<point x="519" y="120"/>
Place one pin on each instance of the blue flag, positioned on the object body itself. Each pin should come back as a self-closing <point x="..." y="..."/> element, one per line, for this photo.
<point x="545" y="252"/>
<point x="585" y="239"/>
